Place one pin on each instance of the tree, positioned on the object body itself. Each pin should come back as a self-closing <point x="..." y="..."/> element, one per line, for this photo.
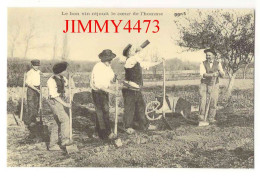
<point x="29" y="36"/>
<point x="154" y="57"/>
<point x="65" y="48"/>
<point x="54" y="48"/>
<point x="230" y="33"/>
<point x="13" y="39"/>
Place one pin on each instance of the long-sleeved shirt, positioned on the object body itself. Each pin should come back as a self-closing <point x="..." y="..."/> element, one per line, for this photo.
<point x="101" y="76"/>
<point x="131" y="61"/>
<point x="33" y="77"/>
<point x="203" y="70"/>
<point x="52" y="87"/>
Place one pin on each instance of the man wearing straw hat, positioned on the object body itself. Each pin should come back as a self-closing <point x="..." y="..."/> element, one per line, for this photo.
<point x="33" y="97"/>
<point x="134" y="105"/>
<point x="101" y="77"/>
<point x="210" y="70"/>
<point x="56" y="100"/>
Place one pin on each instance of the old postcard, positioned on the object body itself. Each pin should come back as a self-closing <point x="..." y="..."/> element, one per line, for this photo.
<point x="130" y="87"/>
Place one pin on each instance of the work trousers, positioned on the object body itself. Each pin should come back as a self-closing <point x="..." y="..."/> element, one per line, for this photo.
<point x="134" y="109"/>
<point x="206" y="90"/>
<point x="60" y="126"/>
<point x="101" y="102"/>
<point x="33" y="98"/>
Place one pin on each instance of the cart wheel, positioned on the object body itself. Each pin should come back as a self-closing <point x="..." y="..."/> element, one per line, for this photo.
<point x="150" y="111"/>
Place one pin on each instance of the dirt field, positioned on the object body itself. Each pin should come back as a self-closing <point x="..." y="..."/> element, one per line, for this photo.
<point x="228" y="144"/>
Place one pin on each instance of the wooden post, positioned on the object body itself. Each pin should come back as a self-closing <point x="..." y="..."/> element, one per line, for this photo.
<point x="116" y="109"/>
<point x="164" y="90"/>
<point x="21" y="113"/>
<point x="70" y="110"/>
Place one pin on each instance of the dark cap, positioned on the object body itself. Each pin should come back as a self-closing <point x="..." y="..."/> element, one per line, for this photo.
<point x="106" y="55"/>
<point x="59" y="67"/>
<point x="35" y="62"/>
<point x="210" y="50"/>
<point x="127" y="48"/>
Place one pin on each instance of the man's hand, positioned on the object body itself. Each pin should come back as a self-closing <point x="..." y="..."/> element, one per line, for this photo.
<point x="34" y="88"/>
<point x="138" y="49"/>
<point x="39" y="91"/>
<point x="215" y="74"/>
<point x="67" y="105"/>
<point x="115" y="78"/>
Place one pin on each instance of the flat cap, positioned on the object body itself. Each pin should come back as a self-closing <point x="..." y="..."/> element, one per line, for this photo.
<point x="35" y="62"/>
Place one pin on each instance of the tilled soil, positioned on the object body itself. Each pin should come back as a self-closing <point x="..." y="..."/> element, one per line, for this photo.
<point x="227" y="144"/>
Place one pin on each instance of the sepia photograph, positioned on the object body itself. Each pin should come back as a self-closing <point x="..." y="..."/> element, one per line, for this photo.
<point x="130" y="87"/>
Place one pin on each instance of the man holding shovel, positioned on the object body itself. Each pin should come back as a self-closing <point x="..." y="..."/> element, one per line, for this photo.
<point x="101" y="77"/>
<point x="210" y="71"/>
<point x="56" y="100"/>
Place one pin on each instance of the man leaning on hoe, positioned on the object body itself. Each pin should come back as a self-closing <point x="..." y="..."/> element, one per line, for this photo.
<point x="210" y="71"/>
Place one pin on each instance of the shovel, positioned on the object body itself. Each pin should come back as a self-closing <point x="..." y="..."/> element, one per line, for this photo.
<point x="21" y="113"/>
<point x="117" y="141"/>
<point x="205" y="122"/>
<point x="71" y="148"/>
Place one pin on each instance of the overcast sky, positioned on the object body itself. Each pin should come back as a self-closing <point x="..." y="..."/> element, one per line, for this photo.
<point x="49" y="22"/>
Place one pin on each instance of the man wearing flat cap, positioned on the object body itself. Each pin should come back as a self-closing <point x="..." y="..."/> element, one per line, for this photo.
<point x="134" y="105"/>
<point x="33" y="78"/>
<point x="210" y="70"/>
<point x="60" y="125"/>
<point x="101" y="78"/>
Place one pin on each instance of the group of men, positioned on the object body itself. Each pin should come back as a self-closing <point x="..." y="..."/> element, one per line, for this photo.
<point x="102" y="77"/>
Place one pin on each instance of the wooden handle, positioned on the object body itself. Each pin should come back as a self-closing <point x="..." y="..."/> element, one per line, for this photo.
<point x="21" y="112"/>
<point x="164" y="89"/>
<point x="70" y="110"/>
<point x="40" y="104"/>
<point x="116" y="109"/>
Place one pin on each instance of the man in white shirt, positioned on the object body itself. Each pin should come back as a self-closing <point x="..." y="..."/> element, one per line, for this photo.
<point x="134" y="105"/>
<point x="60" y="125"/>
<point x="210" y="70"/>
<point x="33" y="77"/>
<point x="101" y="77"/>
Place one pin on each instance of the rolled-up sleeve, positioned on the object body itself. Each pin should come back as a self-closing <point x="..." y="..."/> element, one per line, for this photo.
<point x="130" y="62"/>
<point x="52" y="87"/>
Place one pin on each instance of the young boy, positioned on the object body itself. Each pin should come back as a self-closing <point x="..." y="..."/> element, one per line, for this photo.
<point x="56" y="87"/>
<point x="33" y="96"/>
